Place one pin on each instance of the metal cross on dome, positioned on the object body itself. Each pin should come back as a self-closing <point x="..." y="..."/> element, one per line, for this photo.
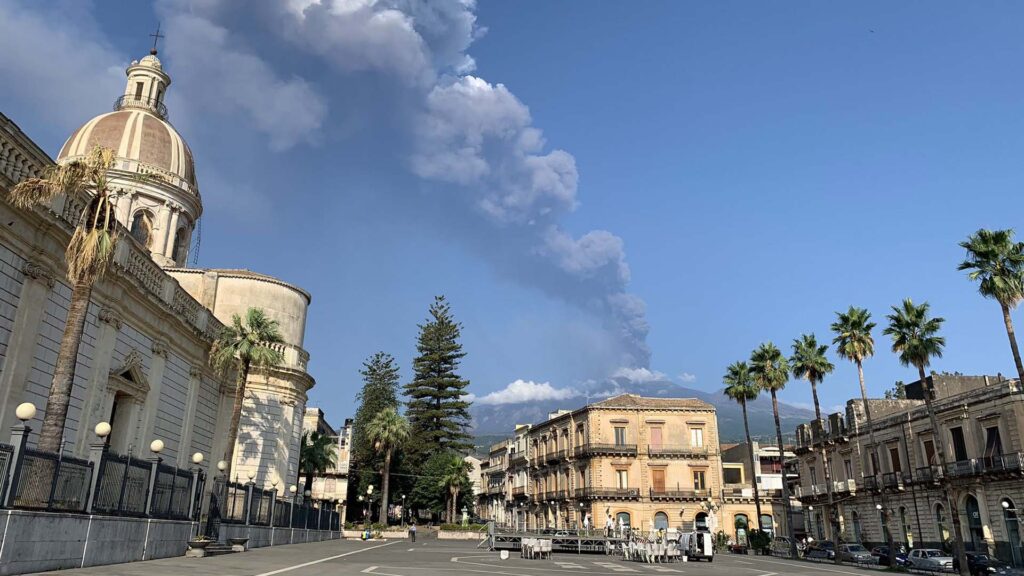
<point x="156" y="38"/>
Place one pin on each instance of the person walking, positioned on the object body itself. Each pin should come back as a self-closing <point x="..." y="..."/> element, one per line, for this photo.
<point x="412" y="531"/>
<point x="609" y="526"/>
<point x="586" y="523"/>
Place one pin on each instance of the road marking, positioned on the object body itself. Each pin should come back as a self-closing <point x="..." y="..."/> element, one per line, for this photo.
<point x="411" y="550"/>
<point x="572" y="565"/>
<point x="818" y="567"/>
<point x="371" y="570"/>
<point x="614" y="567"/>
<point x="303" y="565"/>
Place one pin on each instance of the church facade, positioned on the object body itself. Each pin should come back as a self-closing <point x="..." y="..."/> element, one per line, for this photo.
<point x="143" y="364"/>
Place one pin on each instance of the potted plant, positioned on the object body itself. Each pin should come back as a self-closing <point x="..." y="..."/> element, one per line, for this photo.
<point x="238" y="544"/>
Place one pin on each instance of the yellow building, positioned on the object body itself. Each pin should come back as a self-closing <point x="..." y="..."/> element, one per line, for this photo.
<point x="649" y="462"/>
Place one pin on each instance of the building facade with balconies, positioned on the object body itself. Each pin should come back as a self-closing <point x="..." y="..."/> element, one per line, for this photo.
<point x="650" y="462"/>
<point x="980" y="419"/>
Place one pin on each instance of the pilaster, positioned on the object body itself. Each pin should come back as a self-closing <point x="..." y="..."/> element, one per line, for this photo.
<point x="160" y="226"/>
<point x="22" y="344"/>
<point x="93" y="408"/>
<point x="195" y="380"/>
<point x="151" y="404"/>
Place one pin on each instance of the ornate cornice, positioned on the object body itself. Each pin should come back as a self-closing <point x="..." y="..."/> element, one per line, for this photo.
<point x="37" y="271"/>
<point x="195" y="372"/>
<point x="109" y="316"/>
<point x="159" y="348"/>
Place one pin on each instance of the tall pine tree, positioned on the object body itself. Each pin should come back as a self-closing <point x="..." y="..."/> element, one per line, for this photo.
<point x="437" y="410"/>
<point x="380" y="392"/>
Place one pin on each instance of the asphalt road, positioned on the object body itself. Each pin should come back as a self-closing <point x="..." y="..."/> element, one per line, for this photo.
<point x="430" y="557"/>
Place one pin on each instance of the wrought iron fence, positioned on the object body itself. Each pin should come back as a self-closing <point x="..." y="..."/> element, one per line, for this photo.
<point x="6" y="457"/>
<point x="123" y="486"/>
<point x="260" y="506"/>
<point x="235" y="496"/>
<point x="172" y="493"/>
<point x="282" y="513"/>
<point x="53" y="482"/>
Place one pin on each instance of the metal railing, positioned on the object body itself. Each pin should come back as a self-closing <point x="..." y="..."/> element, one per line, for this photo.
<point x="595" y="448"/>
<point x="607" y="493"/>
<point x="131" y="101"/>
<point x="52" y="482"/>
<point x="172" y="493"/>
<point x="680" y="494"/>
<point x="123" y="485"/>
<point x="662" y="451"/>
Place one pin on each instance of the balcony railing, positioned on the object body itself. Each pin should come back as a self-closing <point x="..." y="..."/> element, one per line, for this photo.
<point x="928" y="474"/>
<point x="517" y="458"/>
<point x="607" y="493"/>
<point x="677" y="451"/>
<point x="895" y="480"/>
<point x="127" y="101"/>
<point x="871" y="484"/>
<point x="680" y="494"/>
<point x="596" y="449"/>
<point x="519" y="490"/>
<point x="555" y="456"/>
<point x="554" y="495"/>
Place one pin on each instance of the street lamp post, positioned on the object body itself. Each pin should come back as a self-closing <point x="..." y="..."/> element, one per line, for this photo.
<point x="403" y="510"/>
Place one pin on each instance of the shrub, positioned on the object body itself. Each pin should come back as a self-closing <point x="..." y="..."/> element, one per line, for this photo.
<point x="461" y="528"/>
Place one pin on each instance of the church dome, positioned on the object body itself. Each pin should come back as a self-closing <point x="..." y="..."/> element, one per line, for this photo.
<point x="142" y="141"/>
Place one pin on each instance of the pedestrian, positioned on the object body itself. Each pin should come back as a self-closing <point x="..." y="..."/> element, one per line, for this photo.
<point x="622" y="527"/>
<point x="412" y="531"/>
<point x="608" y="526"/>
<point x="586" y="523"/>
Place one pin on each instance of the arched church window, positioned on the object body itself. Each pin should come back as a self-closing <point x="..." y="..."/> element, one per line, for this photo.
<point x="180" y="245"/>
<point x="142" y="227"/>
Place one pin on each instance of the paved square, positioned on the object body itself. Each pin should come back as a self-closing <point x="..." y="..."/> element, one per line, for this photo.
<point x="431" y="557"/>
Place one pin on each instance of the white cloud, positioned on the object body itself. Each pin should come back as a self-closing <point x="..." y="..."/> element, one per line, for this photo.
<point x="640" y="375"/>
<point x="479" y="135"/>
<point x="221" y="77"/>
<point x="57" y="61"/>
<point x="522" y="391"/>
<point x="687" y="377"/>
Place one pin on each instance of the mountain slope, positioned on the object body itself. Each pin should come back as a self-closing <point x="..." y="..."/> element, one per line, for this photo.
<point x="501" y="419"/>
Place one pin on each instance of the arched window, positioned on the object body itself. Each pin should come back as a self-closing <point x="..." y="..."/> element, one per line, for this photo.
<point x="661" y="521"/>
<point x="974" y="523"/>
<point x="142" y="227"/>
<point x="767" y="524"/>
<point x="180" y="246"/>
<point x="856" y="527"/>
<point x="700" y="521"/>
<point x="908" y="534"/>
<point x="742" y="525"/>
<point x="623" y="519"/>
<point x="940" y="521"/>
<point x="1012" y="524"/>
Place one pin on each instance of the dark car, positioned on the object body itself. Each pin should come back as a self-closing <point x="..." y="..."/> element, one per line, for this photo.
<point x="984" y="565"/>
<point x="824" y="549"/>
<point x="882" y="553"/>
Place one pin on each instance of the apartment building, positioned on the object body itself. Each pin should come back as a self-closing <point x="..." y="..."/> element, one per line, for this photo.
<point x="768" y="468"/>
<point x="979" y="419"/>
<point x="649" y="462"/>
<point x="333" y="483"/>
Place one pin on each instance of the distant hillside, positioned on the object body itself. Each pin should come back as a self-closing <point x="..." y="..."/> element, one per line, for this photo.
<point x="498" y="421"/>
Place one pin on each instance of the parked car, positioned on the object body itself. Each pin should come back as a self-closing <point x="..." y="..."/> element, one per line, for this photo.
<point x="856" y="553"/>
<point x="780" y="546"/>
<point x="984" y="565"/>
<point x="882" y="553"/>
<point x="929" y="559"/>
<point x="822" y="549"/>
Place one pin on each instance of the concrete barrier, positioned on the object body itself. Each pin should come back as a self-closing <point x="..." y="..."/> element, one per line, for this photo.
<point x="41" y="541"/>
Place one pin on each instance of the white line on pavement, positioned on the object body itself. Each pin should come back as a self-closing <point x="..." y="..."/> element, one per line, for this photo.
<point x="795" y="564"/>
<point x="303" y="565"/>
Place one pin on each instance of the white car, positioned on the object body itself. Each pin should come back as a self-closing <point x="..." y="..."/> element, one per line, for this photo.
<point x="929" y="559"/>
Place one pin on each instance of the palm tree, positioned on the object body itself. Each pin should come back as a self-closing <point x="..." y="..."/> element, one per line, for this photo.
<point x="810" y="363"/>
<point x="387" y="430"/>
<point x="88" y="255"/>
<point x="997" y="262"/>
<point x="242" y="346"/>
<point x="739" y="387"/>
<point x="451" y="480"/>
<point x="317" y="454"/>
<point x="854" y="342"/>
<point x="770" y="371"/>
<point x="915" y="339"/>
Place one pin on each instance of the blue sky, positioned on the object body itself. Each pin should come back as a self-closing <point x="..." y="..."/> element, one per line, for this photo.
<point x="586" y="182"/>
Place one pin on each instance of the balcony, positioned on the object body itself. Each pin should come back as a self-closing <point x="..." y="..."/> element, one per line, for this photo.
<point x="928" y="474"/>
<point x="608" y="493"/>
<point x="871" y="484"/>
<point x="677" y="451"/>
<point x="517" y="459"/>
<point x="844" y="487"/>
<point x="663" y="495"/>
<point x="519" y="491"/>
<point x="896" y="480"/>
<point x="554" y="456"/>
<point x="555" y="495"/>
<point x="597" y="449"/>
<point x="141" y="102"/>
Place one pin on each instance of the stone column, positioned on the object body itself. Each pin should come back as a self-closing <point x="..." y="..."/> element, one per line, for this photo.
<point x="195" y="380"/>
<point x="161" y="223"/>
<point x="172" y="232"/>
<point x="151" y="403"/>
<point x="22" y="344"/>
<point x="95" y="405"/>
<point x="986" y="519"/>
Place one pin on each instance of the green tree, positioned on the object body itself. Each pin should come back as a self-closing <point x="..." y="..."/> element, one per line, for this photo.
<point x="897" y="392"/>
<point x="437" y="410"/>
<point x="454" y="477"/>
<point x="88" y="255"/>
<point x="242" y="346"/>
<point x="317" y="453"/>
<point x="740" y="388"/>
<point x="429" y="492"/>
<point x="997" y="263"/>
<point x="770" y="371"/>
<point x="387" y="430"/>
<point x="379" y="393"/>
<point x="916" y="340"/>
<point x="810" y="363"/>
<point x="854" y="342"/>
